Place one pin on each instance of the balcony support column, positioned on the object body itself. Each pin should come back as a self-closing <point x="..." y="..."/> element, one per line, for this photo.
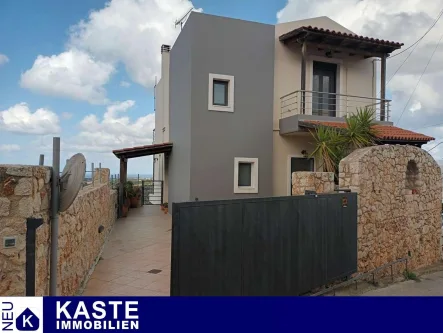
<point x="303" y="77"/>
<point x="383" y="89"/>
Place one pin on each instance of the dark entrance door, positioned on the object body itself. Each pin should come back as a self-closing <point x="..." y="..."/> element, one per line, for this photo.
<point x="300" y="164"/>
<point x="324" y="88"/>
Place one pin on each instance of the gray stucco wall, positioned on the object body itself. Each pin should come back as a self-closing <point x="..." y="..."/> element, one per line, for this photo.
<point x="179" y="163"/>
<point x="246" y="51"/>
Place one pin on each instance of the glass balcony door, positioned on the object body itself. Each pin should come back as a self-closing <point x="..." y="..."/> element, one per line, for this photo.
<point x="324" y="99"/>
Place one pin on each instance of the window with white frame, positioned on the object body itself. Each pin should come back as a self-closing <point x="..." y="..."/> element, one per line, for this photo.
<point x="245" y="175"/>
<point x="221" y="93"/>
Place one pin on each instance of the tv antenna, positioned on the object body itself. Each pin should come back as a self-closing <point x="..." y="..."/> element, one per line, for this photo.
<point x="182" y="20"/>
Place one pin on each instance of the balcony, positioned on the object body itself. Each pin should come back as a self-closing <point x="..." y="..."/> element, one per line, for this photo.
<point x="304" y="105"/>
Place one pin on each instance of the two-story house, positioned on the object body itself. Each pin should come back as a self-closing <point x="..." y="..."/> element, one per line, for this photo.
<point x="236" y="100"/>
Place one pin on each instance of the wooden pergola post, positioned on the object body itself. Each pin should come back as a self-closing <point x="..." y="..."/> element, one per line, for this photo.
<point x="123" y="177"/>
<point x="383" y="89"/>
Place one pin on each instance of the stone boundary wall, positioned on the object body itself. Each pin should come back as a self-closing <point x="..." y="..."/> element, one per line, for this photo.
<point x="321" y="182"/>
<point x="25" y="192"/>
<point x="101" y="176"/>
<point x="399" y="205"/>
<point x="80" y="237"/>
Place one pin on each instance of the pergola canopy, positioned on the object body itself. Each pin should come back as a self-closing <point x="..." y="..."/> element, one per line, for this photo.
<point x="339" y="41"/>
<point x="160" y="148"/>
<point x="133" y="152"/>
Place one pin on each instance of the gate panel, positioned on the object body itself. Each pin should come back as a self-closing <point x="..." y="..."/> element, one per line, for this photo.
<point x="152" y="192"/>
<point x="208" y="239"/>
<point x="341" y="239"/>
<point x="310" y="252"/>
<point x="266" y="246"/>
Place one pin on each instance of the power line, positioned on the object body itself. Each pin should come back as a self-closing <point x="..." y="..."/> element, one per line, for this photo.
<point x="419" y="40"/>
<point x="427" y="126"/>
<point x="415" y="88"/>
<point x="412" y="51"/>
<point x="401" y="65"/>
<point x="434" y="146"/>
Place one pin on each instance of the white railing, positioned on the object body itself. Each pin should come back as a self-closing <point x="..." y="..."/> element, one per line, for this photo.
<point x="330" y="104"/>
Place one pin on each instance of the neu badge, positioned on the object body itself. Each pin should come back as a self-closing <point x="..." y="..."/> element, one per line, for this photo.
<point x="25" y="321"/>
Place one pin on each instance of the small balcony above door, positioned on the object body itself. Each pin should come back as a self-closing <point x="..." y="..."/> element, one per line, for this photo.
<point x="326" y="106"/>
<point x="335" y="76"/>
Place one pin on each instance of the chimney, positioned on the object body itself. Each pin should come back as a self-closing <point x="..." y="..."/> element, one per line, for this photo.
<point x="165" y="48"/>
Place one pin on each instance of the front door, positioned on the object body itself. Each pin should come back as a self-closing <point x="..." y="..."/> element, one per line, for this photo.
<point x="324" y="83"/>
<point x="300" y="164"/>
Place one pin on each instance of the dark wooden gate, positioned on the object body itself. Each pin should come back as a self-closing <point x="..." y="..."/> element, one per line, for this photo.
<point x="266" y="246"/>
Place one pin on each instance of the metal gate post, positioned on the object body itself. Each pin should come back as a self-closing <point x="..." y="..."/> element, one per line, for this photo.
<point x="161" y="193"/>
<point x="31" y="227"/>
<point x="143" y="192"/>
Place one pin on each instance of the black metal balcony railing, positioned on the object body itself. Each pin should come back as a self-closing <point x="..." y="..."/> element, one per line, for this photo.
<point x="331" y="104"/>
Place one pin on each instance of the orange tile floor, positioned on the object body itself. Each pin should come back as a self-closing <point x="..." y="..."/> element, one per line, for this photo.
<point x="138" y="244"/>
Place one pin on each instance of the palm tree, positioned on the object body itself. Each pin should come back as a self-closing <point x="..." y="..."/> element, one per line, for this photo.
<point x="333" y="144"/>
<point x="359" y="130"/>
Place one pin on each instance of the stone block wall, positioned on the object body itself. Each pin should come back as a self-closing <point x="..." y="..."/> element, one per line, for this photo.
<point x="321" y="182"/>
<point x="80" y="236"/>
<point x="399" y="205"/>
<point x="25" y="192"/>
<point x="101" y="176"/>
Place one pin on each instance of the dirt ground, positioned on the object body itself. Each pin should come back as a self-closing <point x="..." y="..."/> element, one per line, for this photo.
<point x="428" y="285"/>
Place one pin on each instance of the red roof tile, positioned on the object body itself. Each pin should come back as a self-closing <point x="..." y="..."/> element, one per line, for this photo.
<point x="384" y="132"/>
<point x="354" y="36"/>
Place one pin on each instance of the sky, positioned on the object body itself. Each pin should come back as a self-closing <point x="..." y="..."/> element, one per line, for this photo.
<point x="85" y="70"/>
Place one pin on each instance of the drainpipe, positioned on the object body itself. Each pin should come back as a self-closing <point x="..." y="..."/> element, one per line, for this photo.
<point x="153" y="157"/>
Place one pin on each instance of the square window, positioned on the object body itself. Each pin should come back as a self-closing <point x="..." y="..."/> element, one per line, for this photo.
<point x="221" y="93"/>
<point x="245" y="175"/>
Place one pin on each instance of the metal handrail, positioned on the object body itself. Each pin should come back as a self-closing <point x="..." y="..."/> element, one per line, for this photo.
<point x="363" y="275"/>
<point x="301" y="101"/>
<point x="337" y="94"/>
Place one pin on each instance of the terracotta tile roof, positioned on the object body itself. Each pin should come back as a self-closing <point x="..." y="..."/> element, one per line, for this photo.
<point x="384" y="132"/>
<point x="353" y="36"/>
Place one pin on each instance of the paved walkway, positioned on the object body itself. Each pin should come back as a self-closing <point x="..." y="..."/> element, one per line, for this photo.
<point x="139" y="247"/>
<point x="429" y="285"/>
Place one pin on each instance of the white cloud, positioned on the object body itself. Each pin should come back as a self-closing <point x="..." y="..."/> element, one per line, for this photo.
<point x="129" y="32"/>
<point x="115" y="130"/>
<point x="125" y="84"/>
<point x="73" y="74"/>
<point x="416" y="106"/>
<point x="9" y="147"/>
<point x="400" y="21"/>
<point x="140" y="27"/>
<point x="20" y="119"/>
<point x="3" y="59"/>
<point x="66" y="115"/>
